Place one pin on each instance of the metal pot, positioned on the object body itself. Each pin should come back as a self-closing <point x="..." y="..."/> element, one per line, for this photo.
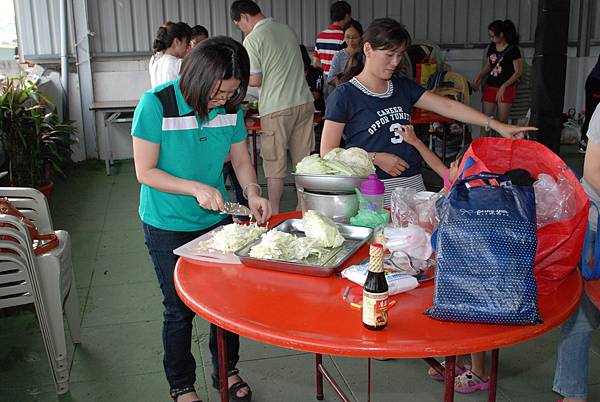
<point x="339" y="207"/>
<point x="328" y="183"/>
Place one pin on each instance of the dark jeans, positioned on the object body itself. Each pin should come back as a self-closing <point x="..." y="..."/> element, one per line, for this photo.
<point x="180" y="366"/>
<point x="592" y="98"/>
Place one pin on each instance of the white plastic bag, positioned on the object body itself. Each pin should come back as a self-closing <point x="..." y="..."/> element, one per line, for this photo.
<point x="413" y="240"/>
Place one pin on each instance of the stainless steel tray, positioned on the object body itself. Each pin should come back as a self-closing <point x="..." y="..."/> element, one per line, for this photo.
<point x="328" y="183"/>
<point x="354" y="238"/>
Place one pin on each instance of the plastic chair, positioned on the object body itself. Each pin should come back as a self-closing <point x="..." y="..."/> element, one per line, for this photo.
<point x="52" y="283"/>
<point x="31" y="203"/>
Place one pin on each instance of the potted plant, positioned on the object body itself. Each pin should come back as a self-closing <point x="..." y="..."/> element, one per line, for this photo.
<point x="32" y="136"/>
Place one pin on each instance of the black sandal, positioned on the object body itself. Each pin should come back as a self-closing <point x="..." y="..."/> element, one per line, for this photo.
<point x="175" y="393"/>
<point x="233" y="390"/>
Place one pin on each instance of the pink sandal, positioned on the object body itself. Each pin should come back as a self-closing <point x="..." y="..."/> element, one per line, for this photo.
<point x="469" y="382"/>
<point x="458" y="370"/>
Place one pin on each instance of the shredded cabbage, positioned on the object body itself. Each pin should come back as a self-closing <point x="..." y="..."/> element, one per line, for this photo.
<point x="321" y="229"/>
<point x="232" y="237"/>
<point x="276" y="245"/>
<point x="338" y="162"/>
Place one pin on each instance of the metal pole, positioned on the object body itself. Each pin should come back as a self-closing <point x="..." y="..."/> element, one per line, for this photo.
<point x="64" y="57"/>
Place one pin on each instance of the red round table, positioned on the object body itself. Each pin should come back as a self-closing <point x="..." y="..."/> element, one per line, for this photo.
<point x="309" y="314"/>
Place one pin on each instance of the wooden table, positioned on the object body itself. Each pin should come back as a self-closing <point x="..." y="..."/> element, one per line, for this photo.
<point x="111" y="113"/>
<point x="309" y="314"/>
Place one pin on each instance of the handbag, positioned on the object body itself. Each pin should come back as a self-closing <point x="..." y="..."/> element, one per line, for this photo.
<point x="590" y="255"/>
<point x="485" y="250"/>
<point x="559" y="244"/>
<point x="42" y="243"/>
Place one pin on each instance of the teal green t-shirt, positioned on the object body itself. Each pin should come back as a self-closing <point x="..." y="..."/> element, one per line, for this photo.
<point x="190" y="149"/>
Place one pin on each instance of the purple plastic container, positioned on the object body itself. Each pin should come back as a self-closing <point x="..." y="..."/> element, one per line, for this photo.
<point x="372" y="191"/>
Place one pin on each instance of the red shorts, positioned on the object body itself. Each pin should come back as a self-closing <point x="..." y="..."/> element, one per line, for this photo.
<point x="489" y="94"/>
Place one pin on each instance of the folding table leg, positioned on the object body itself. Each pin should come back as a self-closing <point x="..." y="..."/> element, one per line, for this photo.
<point x="493" y="376"/>
<point x="222" y="353"/>
<point x="319" y="363"/>
<point x="449" y="379"/>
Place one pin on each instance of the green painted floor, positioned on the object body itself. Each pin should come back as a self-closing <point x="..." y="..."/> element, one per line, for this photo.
<point x="120" y="357"/>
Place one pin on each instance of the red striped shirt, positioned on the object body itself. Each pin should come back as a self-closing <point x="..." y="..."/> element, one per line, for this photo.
<point x="328" y="43"/>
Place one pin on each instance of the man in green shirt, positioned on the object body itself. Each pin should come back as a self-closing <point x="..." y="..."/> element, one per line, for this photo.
<point x="285" y="104"/>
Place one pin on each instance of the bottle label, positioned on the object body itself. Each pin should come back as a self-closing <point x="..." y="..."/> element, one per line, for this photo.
<point x="374" y="308"/>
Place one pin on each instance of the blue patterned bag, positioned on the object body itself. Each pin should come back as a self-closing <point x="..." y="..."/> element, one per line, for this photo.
<point x="485" y="250"/>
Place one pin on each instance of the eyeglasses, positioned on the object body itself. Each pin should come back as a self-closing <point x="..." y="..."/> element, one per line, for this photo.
<point x="224" y="95"/>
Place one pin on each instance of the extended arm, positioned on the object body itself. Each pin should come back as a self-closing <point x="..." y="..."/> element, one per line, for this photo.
<point x="458" y="111"/>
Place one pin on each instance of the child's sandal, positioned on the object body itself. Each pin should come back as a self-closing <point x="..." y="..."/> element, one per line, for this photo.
<point x="469" y="382"/>
<point x="458" y="370"/>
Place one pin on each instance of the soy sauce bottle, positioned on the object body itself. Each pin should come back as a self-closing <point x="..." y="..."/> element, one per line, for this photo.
<point x="375" y="292"/>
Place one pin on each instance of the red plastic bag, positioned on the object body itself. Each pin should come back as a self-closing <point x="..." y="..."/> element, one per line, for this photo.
<point x="559" y="244"/>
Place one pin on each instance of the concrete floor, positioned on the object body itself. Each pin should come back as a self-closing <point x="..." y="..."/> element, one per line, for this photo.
<point x="120" y="358"/>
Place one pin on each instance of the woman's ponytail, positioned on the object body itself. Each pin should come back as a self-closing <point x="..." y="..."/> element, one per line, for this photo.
<point x="168" y="32"/>
<point x="159" y="44"/>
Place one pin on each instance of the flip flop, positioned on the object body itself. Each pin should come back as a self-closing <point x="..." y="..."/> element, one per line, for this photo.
<point x="457" y="371"/>
<point x="469" y="382"/>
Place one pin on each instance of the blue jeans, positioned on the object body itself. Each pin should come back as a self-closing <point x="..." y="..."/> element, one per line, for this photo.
<point x="571" y="374"/>
<point x="179" y="364"/>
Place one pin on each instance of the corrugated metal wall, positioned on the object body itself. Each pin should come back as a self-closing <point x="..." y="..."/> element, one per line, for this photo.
<point x="128" y="27"/>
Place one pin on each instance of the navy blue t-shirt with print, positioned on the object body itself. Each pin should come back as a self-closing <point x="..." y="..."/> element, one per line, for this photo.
<point x="371" y="119"/>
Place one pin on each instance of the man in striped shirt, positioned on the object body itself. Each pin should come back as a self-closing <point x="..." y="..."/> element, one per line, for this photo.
<point x="331" y="40"/>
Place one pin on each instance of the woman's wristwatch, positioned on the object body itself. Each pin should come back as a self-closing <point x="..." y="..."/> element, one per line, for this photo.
<point x="486" y="126"/>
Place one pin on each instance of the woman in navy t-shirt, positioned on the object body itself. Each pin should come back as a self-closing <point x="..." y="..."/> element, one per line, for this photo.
<point x="372" y="107"/>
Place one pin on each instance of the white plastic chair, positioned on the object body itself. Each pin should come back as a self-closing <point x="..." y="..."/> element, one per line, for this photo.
<point x="54" y="273"/>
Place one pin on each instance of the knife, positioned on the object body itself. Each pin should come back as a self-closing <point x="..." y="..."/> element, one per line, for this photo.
<point x="233" y="208"/>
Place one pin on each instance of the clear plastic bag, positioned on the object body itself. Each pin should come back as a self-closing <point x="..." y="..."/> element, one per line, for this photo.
<point x="412" y="208"/>
<point x="403" y="203"/>
<point x="554" y="200"/>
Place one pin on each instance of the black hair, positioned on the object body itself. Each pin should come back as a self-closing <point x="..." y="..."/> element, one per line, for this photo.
<point x="305" y="56"/>
<point x="240" y="7"/>
<point x="507" y="29"/>
<point x="354" y="24"/>
<point x="199" y="30"/>
<point x="339" y="10"/>
<point x="381" y="34"/>
<point x="168" y="32"/>
<point x="215" y="59"/>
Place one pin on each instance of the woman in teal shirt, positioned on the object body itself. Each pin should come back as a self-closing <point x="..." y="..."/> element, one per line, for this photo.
<point x="182" y="131"/>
